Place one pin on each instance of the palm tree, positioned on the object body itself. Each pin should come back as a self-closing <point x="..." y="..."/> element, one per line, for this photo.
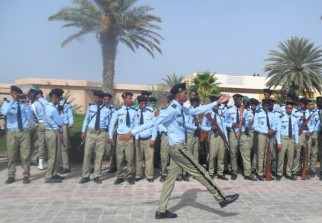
<point x="206" y="85"/>
<point x="113" y="22"/>
<point x="295" y="66"/>
<point x="172" y="80"/>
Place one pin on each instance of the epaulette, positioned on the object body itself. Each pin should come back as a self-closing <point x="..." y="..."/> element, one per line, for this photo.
<point x="297" y="111"/>
<point x="164" y="107"/>
<point x="259" y="110"/>
<point x="149" y="110"/>
<point x="91" y="104"/>
<point x="174" y="105"/>
<point x="136" y="109"/>
<point x="118" y="108"/>
<point x="282" y="116"/>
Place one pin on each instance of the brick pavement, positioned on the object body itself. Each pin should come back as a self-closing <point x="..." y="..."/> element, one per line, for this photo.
<point x="284" y="201"/>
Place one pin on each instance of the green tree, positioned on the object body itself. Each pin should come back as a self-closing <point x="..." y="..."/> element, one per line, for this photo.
<point x="160" y="93"/>
<point x="296" y="65"/>
<point x="113" y="22"/>
<point x="172" y="80"/>
<point x="206" y="85"/>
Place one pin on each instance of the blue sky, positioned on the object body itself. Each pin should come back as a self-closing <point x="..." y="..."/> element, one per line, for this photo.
<point x="229" y="37"/>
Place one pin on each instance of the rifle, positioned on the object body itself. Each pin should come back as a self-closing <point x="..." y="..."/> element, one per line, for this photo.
<point x="61" y="107"/>
<point x="305" y="123"/>
<point x="220" y="132"/>
<point x="268" y="162"/>
<point x="240" y="124"/>
<point x="306" y="159"/>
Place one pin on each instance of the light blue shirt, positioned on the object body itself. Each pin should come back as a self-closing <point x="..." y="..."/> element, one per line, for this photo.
<point x="260" y="124"/>
<point x="206" y="124"/>
<point x="282" y="128"/>
<point x="173" y="120"/>
<point x="38" y="108"/>
<point x="67" y="114"/>
<point x="148" y="116"/>
<point x="311" y="124"/>
<point x="317" y="127"/>
<point x="9" y="109"/>
<point x="119" y="117"/>
<point x="53" y="120"/>
<point x="91" y="115"/>
<point x="190" y="123"/>
<point x="231" y="117"/>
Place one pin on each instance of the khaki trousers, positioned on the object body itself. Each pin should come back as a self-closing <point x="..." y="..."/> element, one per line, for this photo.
<point x="288" y="150"/>
<point x="216" y="150"/>
<point x="65" y="148"/>
<point x="95" y="142"/>
<point x="125" y="158"/>
<point x="263" y="141"/>
<point x="164" y="153"/>
<point x="54" y="149"/>
<point x="303" y="142"/>
<point x="18" y="140"/>
<point x="182" y="159"/>
<point x="42" y="151"/>
<point x="144" y="154"/>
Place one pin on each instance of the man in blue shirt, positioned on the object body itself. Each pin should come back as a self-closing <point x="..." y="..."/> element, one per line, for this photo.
<point x="94" y="130"/>
<point x="66" y="111"/>
<point x="38" y="108"/>
<point x="287" y="141"/>
<point x="18" y="116"/>
<point x="145" y="142"/>
<point x="53" y="124"/>
<point x="125" y="119"/>
<point x="251" y="132"/>
<point x="181" y="158"/>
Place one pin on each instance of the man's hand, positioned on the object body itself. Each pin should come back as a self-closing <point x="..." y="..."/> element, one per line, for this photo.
<point x="308" y="133"/>
<point x="279" y="146"/>
<point x="152" y="143"/>
<point x="296" y="145"/>
<point x="83" y="135"/>
<point x="234" y="125"/>
<point x="137" y="143"/>
<point x="125" y="137"/>
<point x="70" y="126"/>
<point x="111" y="141"/>
<point x="270" y="132"/>
<point x="223" y="98"/>
<point x="214" y="127"/>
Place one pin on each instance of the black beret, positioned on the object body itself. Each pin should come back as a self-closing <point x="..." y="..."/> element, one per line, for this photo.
<point x="269" y="91"/>
<point x="141" y="98"/>
<point x="108" y="95"/>
<point x="194" y="100"/>
<point x="98" y="93"/>
<point x="194" y="92"/>
<point x="38" y="91"/>
<point x="15" y="89"/>
<point x="266" y="101"/>
<point x="170" y="97"/>
<point x="304" y="101"/>
<point x="153" y="99"/>
<point x="178" y="88"/>
<point x="213" y="98"/>
<point x="57" y="92"/>
<point x="253" y="101"/>
<point x="146" y="93"/>
<point x="32" y="91"/>
<point x="272" y="100"/>
<point x="289" y="103"/>
<point x="235" y="96"/>
<point x="319" y="98"/>
<point x="127" y="93"/>
<point x="290" y="95"/>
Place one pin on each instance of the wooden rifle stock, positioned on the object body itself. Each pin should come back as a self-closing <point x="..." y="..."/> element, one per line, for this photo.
<point x="268" y="162"/>
<point x="305" y="123"/>
<point x="306" y="159"/>
<point x="221" y="134"/>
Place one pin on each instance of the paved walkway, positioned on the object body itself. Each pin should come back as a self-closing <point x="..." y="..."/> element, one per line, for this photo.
<point x="284" y="201"/>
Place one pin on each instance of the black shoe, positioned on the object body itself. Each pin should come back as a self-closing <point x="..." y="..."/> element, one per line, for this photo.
<point x="10" y="180"/>
<point x="166" y="214"/>
<point x="58" y="177"/>
<point x="150" y="180"/>
<point x="137" y="179"/>
<point x="97" y="180"/>
<point x="64" y="171"/>
<point x="211" y="176"/>
<point x="291" y="177"/>
<point x="84" y="180"/>
<point x="113" y="170"/>
<point x="92" y="170"/>
<point x="278" y="178"/>
<point x="312" y="175"/>
<point x="33" y="163"/>
<point x="179" y="178"/>
<point x="299" y="173"/>
<point x="185" y="177"/>
<point x="25" y="180"/>
<point x="118" y="181"/>
<point x="131" y="180"/>
<point x="251" y="178"/>
<point x="162" y="178"/>
<point x="53" y="180"/>
<point x="228" y="200"/>
<point x="233" y="176"/>
<point x="222" y="177"/>
<point x="260" y="178"/>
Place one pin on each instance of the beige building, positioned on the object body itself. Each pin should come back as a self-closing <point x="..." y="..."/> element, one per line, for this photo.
<point x="81" y="90"/>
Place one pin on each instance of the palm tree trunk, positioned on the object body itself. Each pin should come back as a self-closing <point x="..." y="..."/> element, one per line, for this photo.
<point x="108" y="47"/>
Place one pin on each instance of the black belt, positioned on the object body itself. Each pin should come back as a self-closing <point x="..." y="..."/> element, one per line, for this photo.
<point x="145" y="139"/>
